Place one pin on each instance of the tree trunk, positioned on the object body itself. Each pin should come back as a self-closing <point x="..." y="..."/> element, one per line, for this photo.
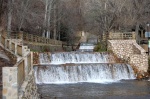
<point x="49" y="19"/>
<point x="24" y="8"/>
<point x="58" y="30"/>
<point x="9" y="16"/>
<point x="137" y="33"/>
<point x="55" y="30"/>
<point x="1" y="10"/>
<point x="45" y="19"/>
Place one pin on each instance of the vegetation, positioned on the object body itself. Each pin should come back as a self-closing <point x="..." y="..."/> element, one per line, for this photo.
<point x="62" y="19"/>
<point x="100" y="47"/>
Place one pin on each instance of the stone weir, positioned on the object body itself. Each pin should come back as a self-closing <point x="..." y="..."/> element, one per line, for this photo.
<point x="74" y="73"/>
<point x="75" y="57"/>
<point x="74" y="67"/>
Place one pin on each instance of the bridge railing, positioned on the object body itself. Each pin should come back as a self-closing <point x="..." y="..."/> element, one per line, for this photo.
<point x="38" y="39"/>
<point x="119" y="36"/>
<point x="24" y="67"/>
<point x="20" y="71"/>
<point x="27" y="37"/>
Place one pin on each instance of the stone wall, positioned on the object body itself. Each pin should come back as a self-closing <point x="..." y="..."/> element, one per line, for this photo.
<point x="19" y="83"/>
<point x="18" y="80"/>
<point x="44" y="48"/>
<point x="11" y="89"/>
<point x="50" y="48"/>
<point x="28" y="89"/>
<point x="10" y="86"/>
<point x="131" y="52"/>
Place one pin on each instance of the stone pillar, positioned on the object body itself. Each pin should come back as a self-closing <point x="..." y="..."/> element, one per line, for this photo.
<point x="133" y="35"/>
<point x="0" y="37"/>
<point x="21" y="35"/>
<point x="10" y="84"/>
<point x="15" y="48"/>
<point x="142" y="34"/>
<point x="31" y="61"/>
<point x="26" y="67"/>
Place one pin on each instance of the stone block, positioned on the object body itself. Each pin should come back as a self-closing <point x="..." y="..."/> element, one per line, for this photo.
<point x="4" y="97"/>
<point x="5" y="91"/>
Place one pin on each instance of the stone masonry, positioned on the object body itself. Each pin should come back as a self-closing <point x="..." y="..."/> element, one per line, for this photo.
<point x="19" y="80"/>
<point x="28" y="89"/>
<point x="10" y="86"/>
<point x="131" y="52"/>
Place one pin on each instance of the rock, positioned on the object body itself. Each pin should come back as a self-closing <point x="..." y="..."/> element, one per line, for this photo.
<point x="139" y="77"/>
<point x="143" y="76"/>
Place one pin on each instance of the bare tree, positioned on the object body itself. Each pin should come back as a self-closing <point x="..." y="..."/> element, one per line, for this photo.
<point x="48" y="10"/>
<point x="48" y="17"/>
<point x="9" y="16"/>
<point x="1" y="10"/>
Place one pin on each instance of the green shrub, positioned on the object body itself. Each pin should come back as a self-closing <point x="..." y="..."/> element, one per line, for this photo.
<point x="100" y="47"/>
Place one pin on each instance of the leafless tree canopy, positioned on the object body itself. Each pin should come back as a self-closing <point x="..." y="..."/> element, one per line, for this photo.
<point x="60" y="19"/>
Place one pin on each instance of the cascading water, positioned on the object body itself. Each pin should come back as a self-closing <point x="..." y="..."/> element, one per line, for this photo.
<point x="73" y="67"/>
<point x="82" y="73"/>
<point x="75" y="57"/>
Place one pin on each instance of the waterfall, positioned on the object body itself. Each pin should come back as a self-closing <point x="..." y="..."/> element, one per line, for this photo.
<point x="75" y="57"/>
<point x="73" y="73"/>
<point x="74" y="67"/>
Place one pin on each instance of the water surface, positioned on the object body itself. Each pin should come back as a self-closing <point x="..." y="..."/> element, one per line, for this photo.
<point x="119" y="90"/>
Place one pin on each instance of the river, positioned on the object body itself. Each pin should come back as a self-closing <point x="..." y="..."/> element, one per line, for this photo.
<point x="125" y="89"/>
<point x="84" y="75"/>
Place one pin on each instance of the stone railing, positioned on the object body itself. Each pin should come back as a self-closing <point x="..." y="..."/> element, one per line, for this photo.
<point x="34" y="42"/>
<point x="34" y="38"/>
<point x="120" y="36"/>
<point x="18" y="80"/>
<point x="131" y="52"/>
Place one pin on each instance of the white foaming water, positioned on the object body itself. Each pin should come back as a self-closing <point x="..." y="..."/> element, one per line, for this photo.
<point x="83" y="73"/>
<point x="75" y="57"/>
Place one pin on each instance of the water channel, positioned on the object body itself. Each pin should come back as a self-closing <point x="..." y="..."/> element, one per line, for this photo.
<point x="84" y="75"/>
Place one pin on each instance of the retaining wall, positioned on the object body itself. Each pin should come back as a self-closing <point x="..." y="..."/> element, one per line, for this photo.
<point x="18" y="80"/>
<point x="29" y="88"/>
<point x="131" y="52"/>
